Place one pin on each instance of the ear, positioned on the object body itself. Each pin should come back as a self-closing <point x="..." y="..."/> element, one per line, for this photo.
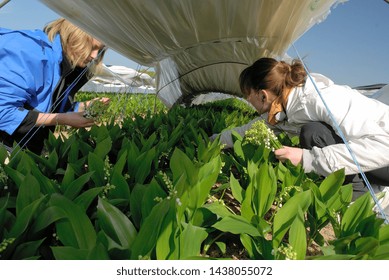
<point x="264" y="95"/>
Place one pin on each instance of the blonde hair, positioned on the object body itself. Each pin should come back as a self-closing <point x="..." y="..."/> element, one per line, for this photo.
<point x="76" y="44"/>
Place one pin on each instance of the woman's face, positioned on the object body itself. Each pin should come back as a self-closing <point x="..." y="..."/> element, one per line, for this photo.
<point x="96" y="47"/>
<point x="260" y="100"/>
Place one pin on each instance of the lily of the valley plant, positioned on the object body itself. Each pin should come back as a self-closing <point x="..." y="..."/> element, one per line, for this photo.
<point x="260" y="133"/>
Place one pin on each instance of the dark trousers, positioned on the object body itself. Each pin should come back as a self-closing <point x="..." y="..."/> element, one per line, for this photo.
<point x="321" y="134"/>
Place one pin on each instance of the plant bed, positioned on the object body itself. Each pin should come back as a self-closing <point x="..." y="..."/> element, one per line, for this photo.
<point x="155" y="187"/>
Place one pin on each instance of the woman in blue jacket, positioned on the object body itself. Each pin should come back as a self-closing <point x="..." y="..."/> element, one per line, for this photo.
<point x="40" y="71"/>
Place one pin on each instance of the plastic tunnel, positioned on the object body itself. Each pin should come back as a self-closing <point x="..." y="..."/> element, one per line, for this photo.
<point x="195" y="46"/>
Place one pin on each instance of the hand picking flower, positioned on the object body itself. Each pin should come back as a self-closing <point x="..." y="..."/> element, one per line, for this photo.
<point x="260" y="133"/>
<point x="95" y="109"/>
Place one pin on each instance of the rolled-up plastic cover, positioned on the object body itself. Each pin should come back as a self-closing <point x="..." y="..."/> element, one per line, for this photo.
<point x="195" y="46"/>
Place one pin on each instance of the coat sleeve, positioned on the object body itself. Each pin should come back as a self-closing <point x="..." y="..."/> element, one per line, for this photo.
<point x="16" y="81"/>
<point x="370" y="153"/>
<point x="226" y="135"/>
<point x="13" y="96"/>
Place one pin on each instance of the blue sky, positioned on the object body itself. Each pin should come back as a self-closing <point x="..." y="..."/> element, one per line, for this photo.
<point x="351" y="46"/>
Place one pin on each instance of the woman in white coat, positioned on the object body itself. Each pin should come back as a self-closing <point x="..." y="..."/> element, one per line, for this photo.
<point x="286" y="94"/>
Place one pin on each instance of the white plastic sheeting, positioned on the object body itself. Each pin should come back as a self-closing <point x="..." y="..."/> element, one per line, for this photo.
<point x="382" y="94"/>
<point x="120" y="79"/>
<point x="195" y="46"/>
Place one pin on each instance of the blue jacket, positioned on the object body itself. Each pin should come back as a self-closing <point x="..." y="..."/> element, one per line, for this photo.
<point x="34" y="77"/>
<point x="29" y="72"/>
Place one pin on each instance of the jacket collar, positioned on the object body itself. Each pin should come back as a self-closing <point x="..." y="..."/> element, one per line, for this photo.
<point x="277" y="108"/>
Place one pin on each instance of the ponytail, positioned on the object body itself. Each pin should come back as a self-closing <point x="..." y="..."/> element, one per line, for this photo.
<point x="273" y="75"/>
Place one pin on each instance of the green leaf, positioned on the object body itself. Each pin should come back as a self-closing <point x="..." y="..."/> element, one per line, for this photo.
<point x="281" y="171"/>
<point x="320" y="207"/>
<point x="99" y="252"/>
<point x="74" y="151"/>
<point x="331" y="184"/>
<point x="29" y="191"/>
<point x="176" y="134"/>
<point x="181" y="164"/>
<point x="68" y="178"/>
<point x="342" y="244"/>
<point x="250" y="246"/>
<point x="196" y="235"/>
<point x="136" y="198"/>
<point x="297" y="235"/>
<point x="120" y="164"/>
<point x="121" y="190"/>
<point x="24" y="218"/>
<point x="206" y="178"/>
<point x="27" y="250"/>
<point x="75" y="187"/>
<point x="334" y="257"/>
<point x="150" y="231"/>
<point x="85" y="199"/>
<point x="341" y="200"/>
<point x="203" y="217"/>
<point x="144" y="162"/>
<point x="247" y="209"/>
<point x="384" y="235"/>
<point x="46" y="184"/>
<point x="218" y="208"/>
<point x="3" y="213"/>
<point x="285" y="216"/>
<point x="3" y="153"/>
<point x="50" y="163"/>
<point x="358" y="210"/>
<point x="382" y="253"/>
<point x="17" y="176"/>
<point x="222" y="247"/>
<point x="237" y="140"/>
<point x="76" y="230"/>
<point x="266" y="187"/>
<point x="237" y="190"/>
<point x="236" y="225"/>
<point x="101" y="133"/>
<point x="261" y="224"/>
<point x="115" y="250"/>
<point x="103" y="147"/>
<point x="365" y="246"/>
<point x="167" y="242"/>
<point x="47" y="217"/>
<point x="115" y="224"/>
<point x="147" y="144"/>
<point x="133" y="154"/>
<point x="69" y="253"/>
<point x="258" y="248"/>
<point x="96" y="165"/>
<point x="151" y="192"/>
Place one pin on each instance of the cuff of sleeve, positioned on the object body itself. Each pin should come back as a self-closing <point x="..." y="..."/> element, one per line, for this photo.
<point x="20" y="114"/>
<point x="28" y="122"/>
<point x="226" y="139"/>
<point x="76" y="106"/>
<point x="307" y="161"/>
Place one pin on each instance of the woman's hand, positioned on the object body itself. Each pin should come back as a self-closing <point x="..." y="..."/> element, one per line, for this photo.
<point x="83" y="105"/>
<point x="75" y="119"/>
<point x="295" y="155"/>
